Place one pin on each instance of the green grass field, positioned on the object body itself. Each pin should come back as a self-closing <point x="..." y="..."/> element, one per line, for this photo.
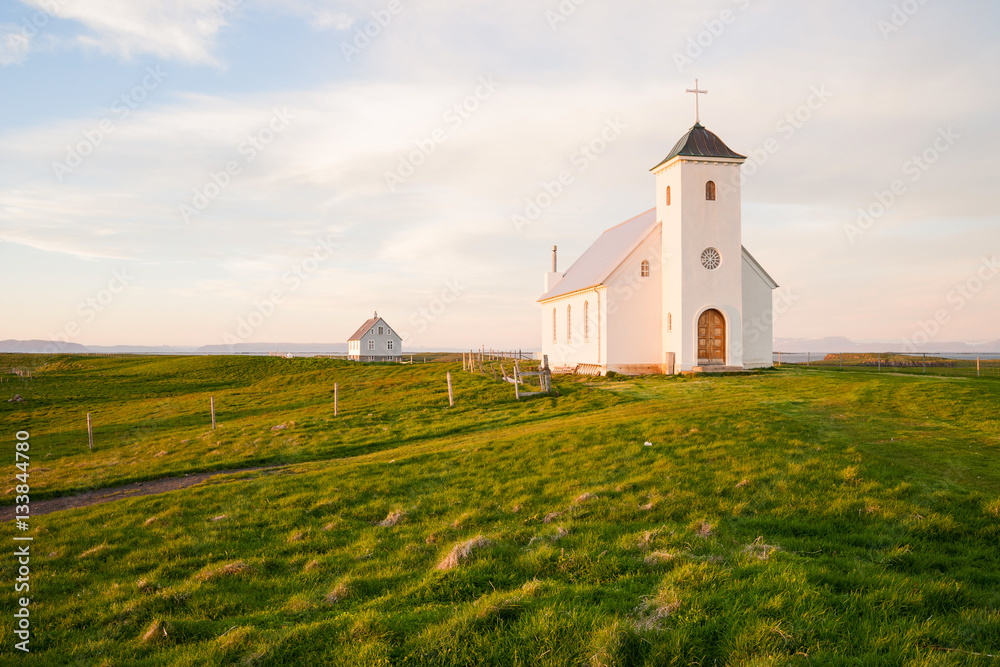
<point x="783" y="517"/>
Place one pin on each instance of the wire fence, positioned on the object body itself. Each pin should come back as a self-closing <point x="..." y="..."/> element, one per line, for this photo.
<point x="921" y="363"/>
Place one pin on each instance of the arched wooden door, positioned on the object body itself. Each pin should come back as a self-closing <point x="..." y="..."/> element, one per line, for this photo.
<point x="711" y="338"/>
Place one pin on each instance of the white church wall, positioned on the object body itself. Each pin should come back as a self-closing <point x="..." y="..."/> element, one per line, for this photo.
<point x="585" y="341"/>
<point x="671" y="266"/>
<point x="758" y="319"/>
<point x="710" y="224"/>
<point x="634" y="303"/>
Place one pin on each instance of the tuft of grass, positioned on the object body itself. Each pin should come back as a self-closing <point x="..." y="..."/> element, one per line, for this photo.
<point x="340" y="592"/>
<point x="93" y="551"/>
<point x="462" y="552"/>
<point x="757" y="549"/>
<point x="392" y="519"/>
<point x="235" y="569"/>
<point x="157" y="633"/>
<point x="144" y="586"/>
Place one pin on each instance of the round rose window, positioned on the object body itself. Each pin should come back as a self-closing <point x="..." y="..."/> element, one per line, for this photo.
<point x="710" y="258"/>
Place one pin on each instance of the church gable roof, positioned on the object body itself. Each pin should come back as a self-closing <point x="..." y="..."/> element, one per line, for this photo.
<point x="605" y="255"/>
<point x="699" y="142"/>
<point x="755" y="265"/>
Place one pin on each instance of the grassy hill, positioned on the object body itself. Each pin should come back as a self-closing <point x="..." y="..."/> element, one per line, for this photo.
<point x="781" y="517"/>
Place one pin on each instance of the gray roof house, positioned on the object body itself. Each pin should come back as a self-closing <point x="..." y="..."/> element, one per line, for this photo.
<point x="375" y="340"/>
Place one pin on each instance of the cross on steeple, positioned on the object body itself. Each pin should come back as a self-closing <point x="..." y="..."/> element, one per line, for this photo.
<point x="697" y="119"/>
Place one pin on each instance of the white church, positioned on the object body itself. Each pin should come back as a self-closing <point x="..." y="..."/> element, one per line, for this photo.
<point x="672" y="289"/>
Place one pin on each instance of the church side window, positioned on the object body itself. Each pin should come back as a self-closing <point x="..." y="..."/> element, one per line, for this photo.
<point x="668" y="195"/>
<point x="554" y="325"/>
<point x="644" y="268"/>
<point x="710" y="191"/>
<point x="586" y="320"/>
<point x="569" y="324"/>
<point x="670" y="321"/>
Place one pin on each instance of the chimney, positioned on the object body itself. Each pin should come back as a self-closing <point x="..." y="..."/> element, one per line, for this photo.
<point x="553" y="276"/>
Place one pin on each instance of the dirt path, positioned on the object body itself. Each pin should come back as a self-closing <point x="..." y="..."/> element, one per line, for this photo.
<point x="98" y="496"/>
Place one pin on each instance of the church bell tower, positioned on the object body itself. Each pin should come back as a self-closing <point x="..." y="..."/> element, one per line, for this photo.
<point x="698" y="204"/>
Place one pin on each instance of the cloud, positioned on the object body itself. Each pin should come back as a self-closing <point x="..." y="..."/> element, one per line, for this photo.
<point x="182" y="30"/>
<point x="323" y="20"/>
<point x="14" y="44"/>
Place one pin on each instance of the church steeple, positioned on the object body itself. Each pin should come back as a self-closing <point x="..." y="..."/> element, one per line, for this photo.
<point x="700" y="142"/>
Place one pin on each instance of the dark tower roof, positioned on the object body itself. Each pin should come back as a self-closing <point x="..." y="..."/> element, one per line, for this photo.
<point x="699" y="142"/>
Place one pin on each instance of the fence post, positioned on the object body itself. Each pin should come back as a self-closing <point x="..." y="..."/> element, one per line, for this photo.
<point x="808" y="358"/>
<point x="211" y="402"/>
<point x="451" y="397"/>
<point x="841" y="355"/>
<point x="977" y="366"/>
<point x="925" y="362"/>
<point x="779" y="358"/>
<point x="517" y="381"/>
<point x="90" y="433"/>
<point x="335" y="397"/>
<point x="880" y="361"/>
<point x="547" y="377"/>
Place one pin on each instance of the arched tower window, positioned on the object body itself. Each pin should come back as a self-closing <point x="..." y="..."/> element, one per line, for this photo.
<point x="670" y="321"/>
<point x="644" y="268"/>
<point x="569" y="324"/>
<point x="668" y="195"/>
<point x="710" y="191"/>
<point x="586" y="320"/>
<point x="553" y="325"/>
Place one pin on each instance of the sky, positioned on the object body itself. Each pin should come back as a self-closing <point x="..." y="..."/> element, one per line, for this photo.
<point x="192" y="172"/>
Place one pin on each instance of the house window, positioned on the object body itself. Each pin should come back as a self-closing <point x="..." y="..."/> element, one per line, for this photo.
<point x="388" y="345"/>
<point x="372" y="331"/>
<point x="569" y="324"/>
<point x="371" y="345"/>
<point x="710" y="191"/>
<point x="381" y="330"/>
<point x="554" y="325"/>
<point x="586" y="321"/>
<point x="644" y="268"/>
<point x="670" y="321"/>
<point x="668" y="195"/>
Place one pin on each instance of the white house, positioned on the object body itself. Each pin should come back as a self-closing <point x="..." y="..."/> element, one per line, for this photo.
<point x="673" y="289"/>
<point x="375" y="341"/>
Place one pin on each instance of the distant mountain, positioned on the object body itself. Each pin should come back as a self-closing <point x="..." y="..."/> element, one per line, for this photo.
<point x="41" y="347"/>
<point x="833" y="344"/>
